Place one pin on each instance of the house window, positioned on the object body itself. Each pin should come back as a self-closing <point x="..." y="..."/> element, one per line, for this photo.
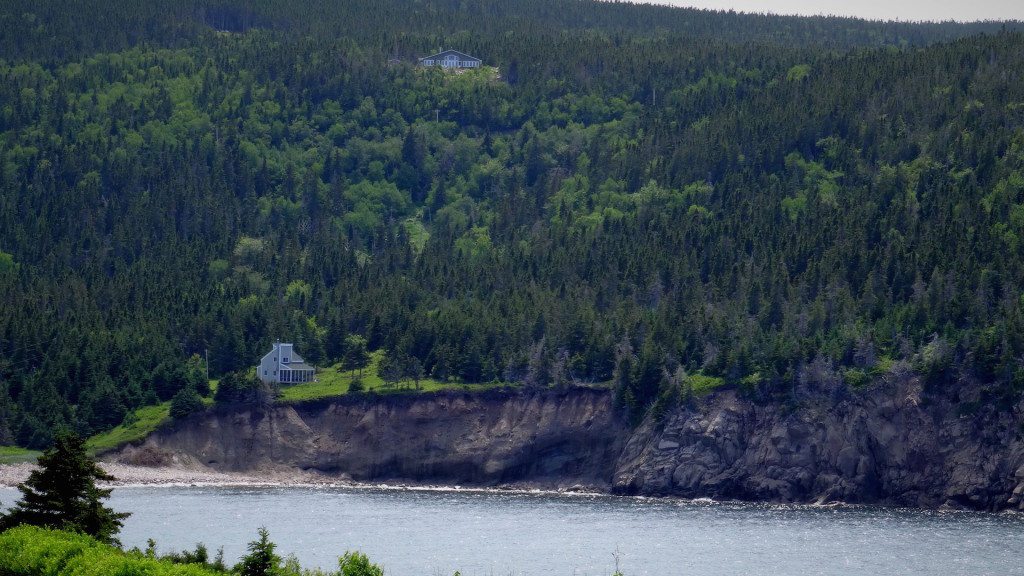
<point x="285" y="360"/>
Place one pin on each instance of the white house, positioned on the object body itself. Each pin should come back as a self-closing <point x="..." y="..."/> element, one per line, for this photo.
<point x="451" y="59"/>
<point x="282" y="365"/>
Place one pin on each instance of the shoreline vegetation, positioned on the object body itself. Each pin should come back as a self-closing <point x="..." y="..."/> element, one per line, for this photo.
<point x="30" y="550"/>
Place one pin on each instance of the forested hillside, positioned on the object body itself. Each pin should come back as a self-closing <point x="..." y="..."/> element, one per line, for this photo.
<point x="641" y="195"/>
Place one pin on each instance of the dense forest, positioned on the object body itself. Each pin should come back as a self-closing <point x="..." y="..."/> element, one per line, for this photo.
<point x="626" y="194"/>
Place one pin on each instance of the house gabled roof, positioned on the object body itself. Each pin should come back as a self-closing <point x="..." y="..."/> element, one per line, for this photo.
<point x="296" y="366"/>
<point x="265" y="356"/>
<point x="462" y="55"/>
<point x="296" y="359"/>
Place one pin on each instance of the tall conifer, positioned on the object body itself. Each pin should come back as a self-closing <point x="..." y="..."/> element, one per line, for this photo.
<point x="62" y="494"/>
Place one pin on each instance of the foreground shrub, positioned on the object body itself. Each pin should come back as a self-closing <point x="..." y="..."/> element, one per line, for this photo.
<point x="33" y="551"/>
<point x="357" y="564"/>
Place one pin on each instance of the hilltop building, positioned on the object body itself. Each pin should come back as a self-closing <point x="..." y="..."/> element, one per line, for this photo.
<point x="283" y="366"/>
<point x="451" y="59"/>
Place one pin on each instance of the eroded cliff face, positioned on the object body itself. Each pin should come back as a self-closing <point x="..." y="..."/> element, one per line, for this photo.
<point x="887" y="445"/>
<point x="482" y="439"/>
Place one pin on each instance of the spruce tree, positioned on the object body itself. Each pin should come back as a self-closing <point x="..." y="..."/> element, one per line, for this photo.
<point x="62" y="494"/>
<point x="261" y="559"/>
<point x="185" y="403"/>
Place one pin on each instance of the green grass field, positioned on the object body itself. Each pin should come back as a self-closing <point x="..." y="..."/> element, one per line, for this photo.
<point x="335" y="381"/>
<point x="145" y="420"/>
<point x="704" y="385"/>
<point x="14" y="455"/>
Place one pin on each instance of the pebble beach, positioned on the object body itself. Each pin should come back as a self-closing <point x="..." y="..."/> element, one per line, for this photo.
<point x="128" y="475"/>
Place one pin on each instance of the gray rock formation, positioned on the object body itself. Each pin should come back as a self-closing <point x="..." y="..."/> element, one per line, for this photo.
<point x="886" y="445"/>
<point x="881" y="446"/>
<point x="481" y="439"/>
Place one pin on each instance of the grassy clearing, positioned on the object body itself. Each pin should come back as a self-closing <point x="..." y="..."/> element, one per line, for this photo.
<point x="15" y="455"/>
<point x="145" y="421"/>
<point x="703" y="385"/>
<point x="418" y="234"/>
<point x="335" y="381"/>
<point x="331" y="381"/>
<point x="140" y="424"/>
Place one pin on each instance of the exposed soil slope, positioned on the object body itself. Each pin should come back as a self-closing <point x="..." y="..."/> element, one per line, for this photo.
<point x="485" y="439"/>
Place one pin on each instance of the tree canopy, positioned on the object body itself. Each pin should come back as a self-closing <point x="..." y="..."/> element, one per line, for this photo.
<point x="660" y="198"/>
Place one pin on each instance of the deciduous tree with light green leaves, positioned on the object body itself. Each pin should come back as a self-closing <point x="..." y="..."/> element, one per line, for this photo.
<point x="357" y="564"/>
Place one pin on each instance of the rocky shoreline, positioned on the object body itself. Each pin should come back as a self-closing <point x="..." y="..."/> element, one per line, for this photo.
<point x="888" y="445"/>
<point x="128" y="475"/>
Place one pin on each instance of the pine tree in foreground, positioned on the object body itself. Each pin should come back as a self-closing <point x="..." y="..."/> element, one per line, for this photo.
<point x="62" y="494"/>
<point x="261" y="559"/>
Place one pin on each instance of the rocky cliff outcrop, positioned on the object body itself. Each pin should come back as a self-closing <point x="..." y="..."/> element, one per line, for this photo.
<point x="886" y="445"/>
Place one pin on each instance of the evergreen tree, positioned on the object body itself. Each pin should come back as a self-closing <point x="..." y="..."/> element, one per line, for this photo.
<point x="62" y="494"/>
<point x="356" y="356"/>
<point x="261" y="559"/>
<point x="185" y="403"/>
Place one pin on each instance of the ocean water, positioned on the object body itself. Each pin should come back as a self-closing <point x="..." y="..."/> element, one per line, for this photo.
<point x="418" y="532"/>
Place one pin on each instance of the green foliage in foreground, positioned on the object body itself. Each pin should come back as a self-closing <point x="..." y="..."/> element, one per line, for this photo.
<point x="357" y="564"/>
<point x="261" y="559"/>
<point x="33" y="551"/>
